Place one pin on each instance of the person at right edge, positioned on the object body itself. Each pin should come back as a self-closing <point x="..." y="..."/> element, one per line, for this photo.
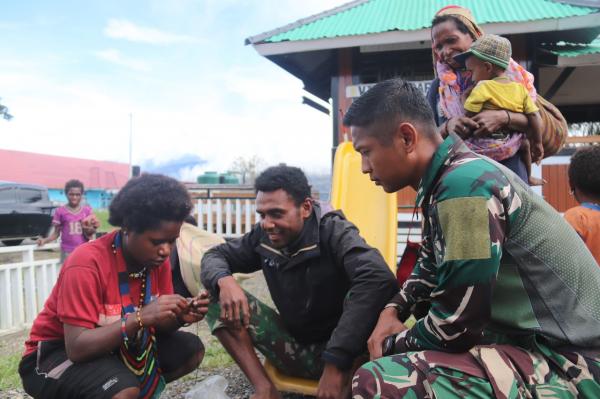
<point x="584" y="179"/>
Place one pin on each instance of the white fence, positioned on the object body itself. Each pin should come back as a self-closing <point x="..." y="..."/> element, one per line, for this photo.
<point x="24" y="286"/>
<point x="230" y="217"/>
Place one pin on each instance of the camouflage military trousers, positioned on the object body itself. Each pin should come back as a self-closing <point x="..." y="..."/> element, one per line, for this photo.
<point x="486" y="371"/>
<point x="271" y="338"/>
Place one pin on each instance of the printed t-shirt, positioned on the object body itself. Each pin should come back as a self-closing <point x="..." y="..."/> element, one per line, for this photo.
<point x="71" y="232"/>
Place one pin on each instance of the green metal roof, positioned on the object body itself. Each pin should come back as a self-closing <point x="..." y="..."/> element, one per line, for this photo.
<point x="377" y="16"/>
<point x="563" y="49"/>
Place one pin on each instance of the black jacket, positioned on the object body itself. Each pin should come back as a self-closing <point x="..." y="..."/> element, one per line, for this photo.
<point x="331" y="287"/>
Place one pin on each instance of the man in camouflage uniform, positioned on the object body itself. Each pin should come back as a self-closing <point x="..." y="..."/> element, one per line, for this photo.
<point x="513" y="292"/>
<point x="326" y="282"/>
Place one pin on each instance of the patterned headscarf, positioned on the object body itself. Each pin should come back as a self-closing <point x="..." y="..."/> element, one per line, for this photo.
<point x="454" y="83"/>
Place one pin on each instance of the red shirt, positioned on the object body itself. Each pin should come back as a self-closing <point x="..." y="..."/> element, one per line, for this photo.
<point x="87" y="293"/>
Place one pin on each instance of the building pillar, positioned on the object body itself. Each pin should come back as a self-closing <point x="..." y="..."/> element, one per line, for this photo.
<point x="345" y="76"/>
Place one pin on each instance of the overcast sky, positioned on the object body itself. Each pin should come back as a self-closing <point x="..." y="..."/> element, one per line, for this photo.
<point x="71" y="72"/>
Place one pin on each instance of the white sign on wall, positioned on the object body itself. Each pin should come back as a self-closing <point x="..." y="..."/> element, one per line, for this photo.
<point x="354" y="91"/>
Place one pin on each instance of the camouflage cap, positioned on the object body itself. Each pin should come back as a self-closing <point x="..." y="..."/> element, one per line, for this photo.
<point x="490" y="48"/>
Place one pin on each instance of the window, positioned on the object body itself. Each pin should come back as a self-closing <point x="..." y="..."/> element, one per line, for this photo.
<point x="29" y="195"/>
<point x="7" y="195"/>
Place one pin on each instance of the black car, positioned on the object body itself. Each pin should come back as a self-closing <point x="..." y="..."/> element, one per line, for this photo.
<point x="25" y="212"/>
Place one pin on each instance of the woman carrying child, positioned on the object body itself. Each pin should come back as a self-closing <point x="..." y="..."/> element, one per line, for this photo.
<point x="453" y="32"/>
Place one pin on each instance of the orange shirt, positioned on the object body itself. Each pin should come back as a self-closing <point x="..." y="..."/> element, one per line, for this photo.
<point x="586" y="222"/>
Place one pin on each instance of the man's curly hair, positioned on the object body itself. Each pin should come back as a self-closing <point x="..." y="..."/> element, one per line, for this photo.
<point x="584" y="171"/>
<point x="146" y="201"/>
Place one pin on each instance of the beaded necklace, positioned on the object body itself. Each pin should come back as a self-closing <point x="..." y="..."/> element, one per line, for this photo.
<point x="140" y="354"/>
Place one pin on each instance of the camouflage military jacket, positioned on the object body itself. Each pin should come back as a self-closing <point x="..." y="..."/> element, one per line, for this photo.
<point x="498" y="264"/>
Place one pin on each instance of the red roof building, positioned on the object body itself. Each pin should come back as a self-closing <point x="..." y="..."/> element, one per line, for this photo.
<point x="53" y="171"/>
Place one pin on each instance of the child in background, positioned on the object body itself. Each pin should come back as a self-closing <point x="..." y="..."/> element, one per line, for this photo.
<point x="584" y="180"/>
<point x="487" y="60"/>
<point x="75" y="224"/>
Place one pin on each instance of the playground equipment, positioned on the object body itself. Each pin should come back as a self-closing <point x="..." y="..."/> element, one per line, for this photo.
<point x="375" y="214"/>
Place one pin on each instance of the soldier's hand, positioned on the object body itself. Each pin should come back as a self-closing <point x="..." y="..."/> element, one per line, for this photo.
<point x="387" y="325"/>
<point x="234" y="304"/>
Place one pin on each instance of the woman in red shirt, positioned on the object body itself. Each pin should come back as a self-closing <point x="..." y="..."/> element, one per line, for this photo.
<point x="109" y="329"/>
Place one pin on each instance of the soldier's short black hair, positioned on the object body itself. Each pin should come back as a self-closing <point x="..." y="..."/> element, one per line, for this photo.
<point x="287" y="178"/>
<point x="73" y="183"/>
<point x="389" y="103"/>
<point x="584" y="170"/>
<point x="146" y="201"/>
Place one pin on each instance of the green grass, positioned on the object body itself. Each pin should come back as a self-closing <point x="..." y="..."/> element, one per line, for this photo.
<point x="9" y="375"/>
<point x="215" y="356"/>
<point x="102" y="215"/>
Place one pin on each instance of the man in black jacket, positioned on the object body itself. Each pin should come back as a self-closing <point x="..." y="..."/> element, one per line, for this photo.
<point x="326" y="282"/>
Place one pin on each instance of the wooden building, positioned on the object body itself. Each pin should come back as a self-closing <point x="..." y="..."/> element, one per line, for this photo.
<point x="340" y="53"/>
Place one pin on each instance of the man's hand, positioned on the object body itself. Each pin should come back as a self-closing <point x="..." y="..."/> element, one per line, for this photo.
<point x="163" y="311"/>
<point x="332" y="383"/>
<point x="197" y="309"/>
<point x="234" y="304"/>
<point x="387" y="325"/>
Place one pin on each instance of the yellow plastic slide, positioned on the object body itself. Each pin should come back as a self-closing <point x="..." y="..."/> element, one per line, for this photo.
<point x="373" y="211"/>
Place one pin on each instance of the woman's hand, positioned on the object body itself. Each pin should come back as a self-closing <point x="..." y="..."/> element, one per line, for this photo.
<point x="462" y="125"/>
<point x="490" y="121"/>
<point x="387" y="325"/>
<point x="197" y="309"/>
<point x="163" y="311"/>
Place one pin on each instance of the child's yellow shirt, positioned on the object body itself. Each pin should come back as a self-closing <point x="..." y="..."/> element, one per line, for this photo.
<point x="490" y="94"/>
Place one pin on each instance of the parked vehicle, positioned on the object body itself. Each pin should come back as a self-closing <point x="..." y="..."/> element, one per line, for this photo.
<point x="25" y="212"/>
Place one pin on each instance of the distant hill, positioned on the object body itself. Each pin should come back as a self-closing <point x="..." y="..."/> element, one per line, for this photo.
<point x="183" y="168"/>
<point x="188" y="167"/>
<point x="322" y="184"/>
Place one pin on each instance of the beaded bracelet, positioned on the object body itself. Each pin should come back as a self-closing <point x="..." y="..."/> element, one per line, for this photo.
<point x="508" y="122"/>
<point x="124" y="327"/>
<point x="138" y="317"/>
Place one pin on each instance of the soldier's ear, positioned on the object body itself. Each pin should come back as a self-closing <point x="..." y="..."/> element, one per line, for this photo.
<point x="407" y="136"/>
